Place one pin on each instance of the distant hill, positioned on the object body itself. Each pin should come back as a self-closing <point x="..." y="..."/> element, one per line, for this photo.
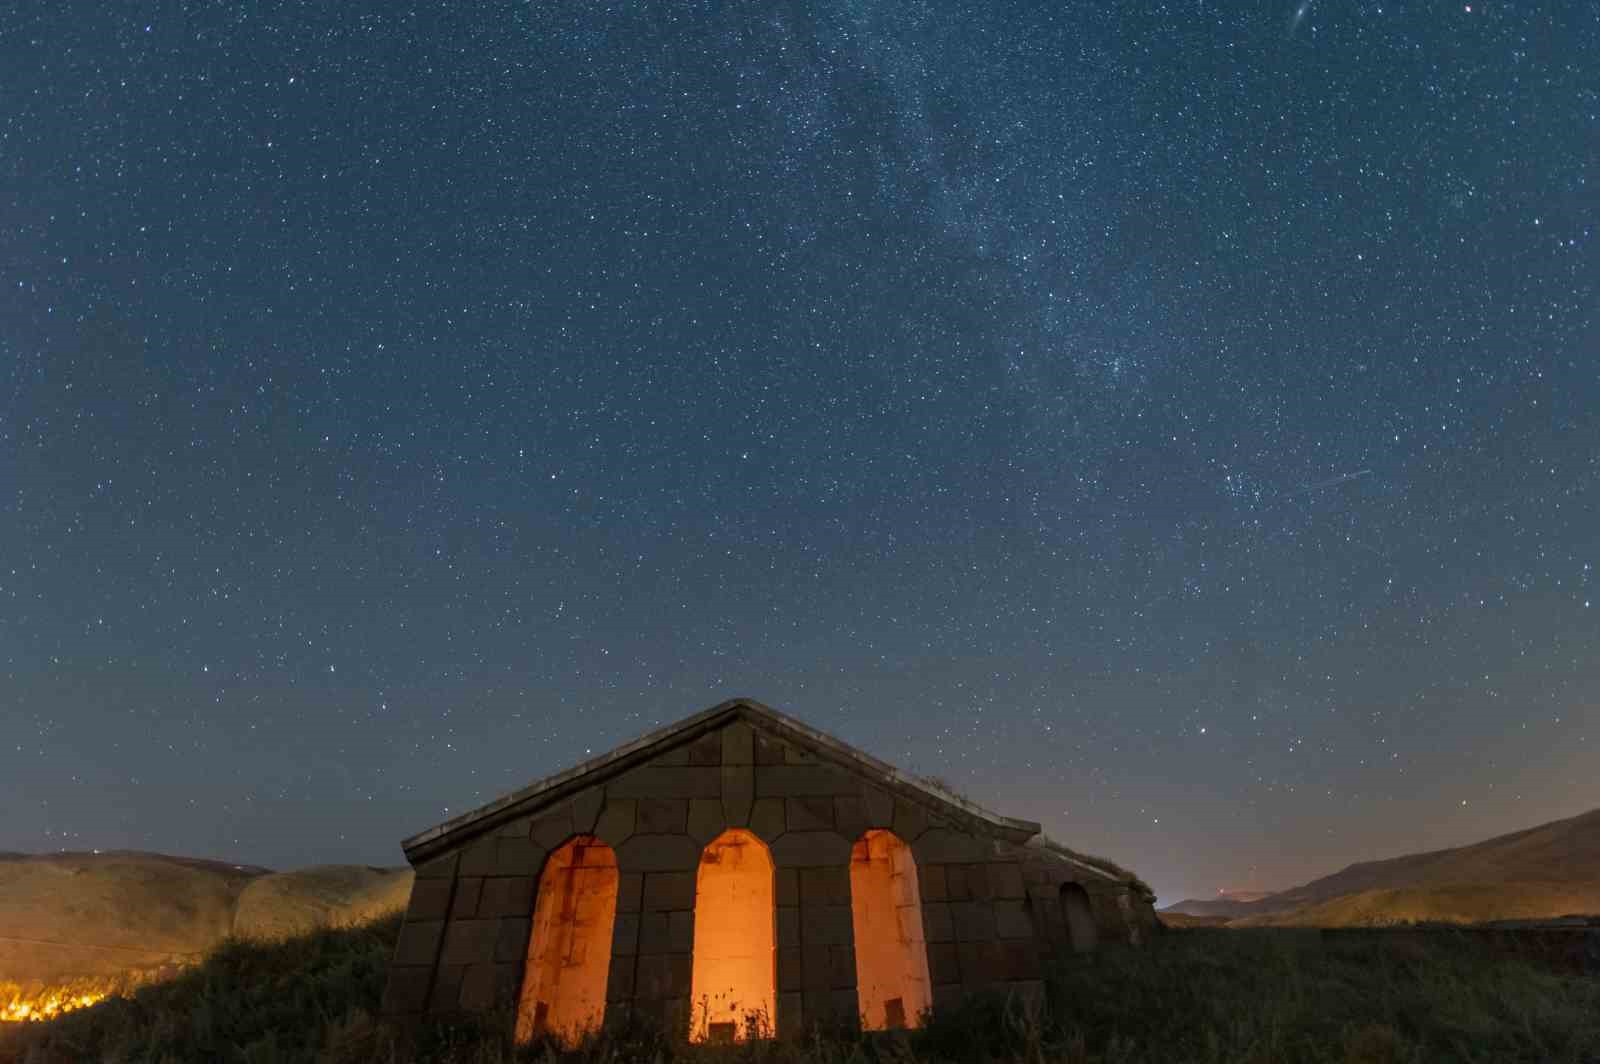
<point x="67" y="915"/>
<point x="1547" y="871"/>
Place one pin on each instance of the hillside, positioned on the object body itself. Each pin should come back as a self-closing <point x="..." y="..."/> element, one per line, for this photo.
<point x="1546" y="871"/>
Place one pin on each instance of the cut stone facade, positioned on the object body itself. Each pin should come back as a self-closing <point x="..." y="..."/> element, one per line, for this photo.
<point x="990" y="893"/>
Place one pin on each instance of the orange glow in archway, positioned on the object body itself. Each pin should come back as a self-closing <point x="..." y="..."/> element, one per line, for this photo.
<point x="735" y="977"/>
<point x="892" y="985"/>
<point x="569" y="951"/>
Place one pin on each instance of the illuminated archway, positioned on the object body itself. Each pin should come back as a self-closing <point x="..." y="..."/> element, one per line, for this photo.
<point x="892" y="985"/>
<point x="734" y="981"/>
<point x="569" y="950"/>
<point x="1079" y="916"/>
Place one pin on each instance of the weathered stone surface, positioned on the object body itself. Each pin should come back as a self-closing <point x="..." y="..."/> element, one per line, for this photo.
<point x="1006" y="880"/>
<point x="849" y="818"/>
<point x="1012" y="920"/>
<point x="814" y="966"/>
<point x="809" y="814"/>
<point x="446" y="995"/>
<point x="738" y="792"/>
<point x="826" y="925"/>
<point x="477" y="859"/>
<point x="619" y="981"/>
<point x="469" y="941"/>
<point x="788" y="927"/>
<point x="791" y="1015"/>
<point x="829" y="885"/>
<point x="430" y="899"/>
<point x="706" y="750"/>
<point x="616" y="821"/>
<point x="967" y="882"/>
<point x="507" y="896"/>
<point x="980" y="963"/>
<point x="948" y="996"/>
<point x="841" y="967"/>
<point x="786" y="886"/>
<point x="769" y="749"/>
<point x="1019" y="959"/>
<point x="910" y="821"/>
<point x="944" y="965"/>
<point x="586" y="806"/>
<point x="406" y="992"/>
<point x="738" y="744"/>
<point x="974" y="921"/>
<point x="517" y="856"/>
<point x="625" y="934"/>
<point x="706" y="820"/>
<point x="511" y="941"/>
<point x="767" y="819"/>
<point x="658" y="853"/>
<point x="795" y="755"/>
<point x="662" y="816"/>
<point x="797" y="781"/>
<point x="440" y="867"/>
<point x="658" y="781"/>
<point x="418" y="942"/>
<point x="672" y="758"/>
<point x="630" y="885"/>
<point x="931" y="881"/>
<point x="878" y="806"/>
<point x="937" y="926"/>
<point x="553" y="828"/>
<point x="791" y="969"/>
<point x="477" y="987"/>
<point x="662" y="975"/>
<point x="668" y="890"/>
<point x="516" y="829"/>
<point x="948" y="846"/>
<point x="464" y="905"/>
<point x="666" y="932"/>
<point x="797" y="849"/>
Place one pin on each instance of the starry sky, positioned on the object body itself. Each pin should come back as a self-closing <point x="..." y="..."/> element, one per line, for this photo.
<point x="1172" y="422"/>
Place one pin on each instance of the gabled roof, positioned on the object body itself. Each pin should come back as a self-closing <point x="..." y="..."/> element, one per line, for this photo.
<point x="551" y="789"/>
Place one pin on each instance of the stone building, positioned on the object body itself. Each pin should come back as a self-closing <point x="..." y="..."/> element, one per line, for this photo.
<point x="740" y="873"/>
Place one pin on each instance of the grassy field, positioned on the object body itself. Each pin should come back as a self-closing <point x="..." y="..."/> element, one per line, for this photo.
<point x="1194" y="995"/>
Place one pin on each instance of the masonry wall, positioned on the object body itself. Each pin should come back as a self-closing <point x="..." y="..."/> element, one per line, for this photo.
<point x="988" y="915"/>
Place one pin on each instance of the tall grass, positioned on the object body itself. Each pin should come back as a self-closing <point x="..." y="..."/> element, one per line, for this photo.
<point x="1201" y="996"/>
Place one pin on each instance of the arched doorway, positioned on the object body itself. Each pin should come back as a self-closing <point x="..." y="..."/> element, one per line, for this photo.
<point x="1079" y="916"/>
<point x="892" y="985"/>
<point x="569" y="950"/>
<point x="734" y="991"/>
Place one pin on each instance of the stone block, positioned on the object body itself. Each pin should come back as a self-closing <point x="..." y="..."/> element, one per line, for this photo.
<point x="814" y="967"/>
<point x="738" y="744"/>
<point x="439" y="867"/>
<point x="662" y="816"/>
<point x="625" y="934"/>
<point x="791" y="969"/>
<point x="948" y="996"/>
<point x="1005" y="879"/>
<point x="799" y="781"/>
<point x="464" y="905"/>
<point x="666" y="932"/>
<point x="944" y="964"/>
<point x="845" y="1008"/>
<point x="518" y="828"/>
<point x="553" y="828"/>
<point x="821" y="1007"/>
<point x="477" y="988"/>
<point x="469" y="942"/>
<point x="937" y="926"/>
<point x="932" y="883"/>
<point x="674" y="757"/>
<point x="973" y="920"/>
<point x="706" y="820"/>
<point x="616" y="821"/>
<point x="659" y="853"/>
<point x="791" y="1015"/>
<point x="446" y="994"/>
<point x="507" y="896"/>
<point x="511" y="940"/>
<point x="910" y="821"/>
<point x="981" y="963"/>
<point x="516" y="856"/>
<point x="788" y="927"/>
<point x="419" y="942"/>
<point x="940" y="845"/>
<point x="430" y="899"/>
<point x="706" y="750"/>
<point x="1018" y="959"/>
<point x="826" y="925"/>
<point x="630" y="886"/>
<point x="841" y="967"/>
<point x="662" y="975"/>
<point x="849" y="818"/>
<point x="877" y="805"/>
<point x="738" y="792"/>
<point x="668" y="890"/>
<point x="825" y="886"/>
<point x="477" y="857"/>
<point x="798" y="849"/>
<point x="1012" y="920"/>
<point x="406" y="992"/>
<point x="667" y="781"/>
<point x="797" y="755"/>
<point x="767" y="819"/>
<point x="809" y="814"/>
<point x="619" y="980"/>
<point x="586" y="806"/>
<point x="786" y="886"/>
<point x="768" y="749"/>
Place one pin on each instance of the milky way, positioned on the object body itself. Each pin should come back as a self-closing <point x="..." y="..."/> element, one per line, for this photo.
<point x="1161" y="425"/>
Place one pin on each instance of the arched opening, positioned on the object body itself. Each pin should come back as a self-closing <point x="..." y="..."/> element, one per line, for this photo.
<point x="892" y="985"/>
<point x="1079" y="916"/>
<point x="734" y="991"/>
<point x="569" y="950"/>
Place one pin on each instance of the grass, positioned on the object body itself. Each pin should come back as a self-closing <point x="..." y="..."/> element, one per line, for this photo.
<point x="1205" y="996"/>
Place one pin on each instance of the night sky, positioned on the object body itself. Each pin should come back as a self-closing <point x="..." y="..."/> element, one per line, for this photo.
<point x="1177" y="423"/>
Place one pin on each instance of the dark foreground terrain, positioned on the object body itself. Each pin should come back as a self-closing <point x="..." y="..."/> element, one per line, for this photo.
<point x="1193" y="995"/>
